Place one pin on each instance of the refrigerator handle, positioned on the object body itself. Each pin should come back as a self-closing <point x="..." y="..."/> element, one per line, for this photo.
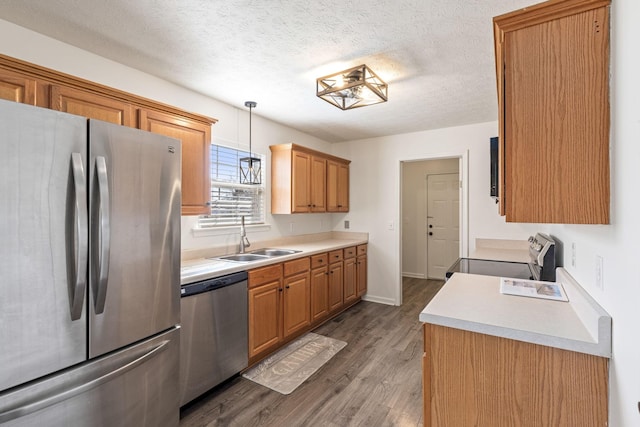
<point x="103" y="235"/>
<point x="80" y="237"/>
<point x="46" y="398"/>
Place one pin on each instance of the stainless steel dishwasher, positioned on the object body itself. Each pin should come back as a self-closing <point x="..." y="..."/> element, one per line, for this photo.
<point x="213" y="337"/>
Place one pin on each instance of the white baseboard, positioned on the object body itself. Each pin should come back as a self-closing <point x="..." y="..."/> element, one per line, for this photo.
<point x="413" y="275"/>
<point x="380" y="300"/>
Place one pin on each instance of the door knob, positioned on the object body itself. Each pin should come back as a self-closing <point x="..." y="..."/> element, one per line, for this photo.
<point x="430" y="233"/>
<point x="430" y="226"/>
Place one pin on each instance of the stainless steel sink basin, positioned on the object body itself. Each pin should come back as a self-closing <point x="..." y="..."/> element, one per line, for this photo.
<point x="274" y="252"/>
<point x="243" y="257"/>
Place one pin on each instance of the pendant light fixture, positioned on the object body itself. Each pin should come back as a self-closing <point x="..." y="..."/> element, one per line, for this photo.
<point x="250" y="168"/>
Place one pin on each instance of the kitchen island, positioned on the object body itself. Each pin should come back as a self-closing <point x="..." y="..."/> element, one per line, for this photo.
<point x="492" y="359"/>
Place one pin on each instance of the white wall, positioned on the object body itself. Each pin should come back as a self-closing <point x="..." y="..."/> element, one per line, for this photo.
<point x="414" y="212"/>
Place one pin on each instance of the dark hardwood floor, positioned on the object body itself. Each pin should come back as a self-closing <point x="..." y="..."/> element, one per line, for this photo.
<point x="376" y="380"/>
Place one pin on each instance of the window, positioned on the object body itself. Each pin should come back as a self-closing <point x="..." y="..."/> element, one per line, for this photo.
<point x="229" y="199"/>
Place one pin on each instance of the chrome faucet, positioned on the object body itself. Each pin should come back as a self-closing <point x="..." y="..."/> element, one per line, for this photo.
<point x="244" y="242"/>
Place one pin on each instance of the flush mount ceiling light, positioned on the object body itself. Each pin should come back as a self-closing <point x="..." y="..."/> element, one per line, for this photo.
<point x="352" y="88"/>
<point x="250" y="169"/>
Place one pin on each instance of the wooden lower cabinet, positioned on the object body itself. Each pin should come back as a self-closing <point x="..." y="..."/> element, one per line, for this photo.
<point x="319" y="287"/>
<point x="350" y="278"/>
<point x="291" y="298"/>
<point x="473" y="379"/>
<point x="296" y="296"/>
<point x="336" y="286"/>
<point x="361" y="270"/>
<point x="265" y="309"/>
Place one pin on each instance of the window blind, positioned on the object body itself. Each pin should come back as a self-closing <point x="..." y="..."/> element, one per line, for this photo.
<point x="229" y="199"/>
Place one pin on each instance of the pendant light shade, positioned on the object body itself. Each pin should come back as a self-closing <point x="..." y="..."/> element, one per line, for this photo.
<point x="250" y="167"/>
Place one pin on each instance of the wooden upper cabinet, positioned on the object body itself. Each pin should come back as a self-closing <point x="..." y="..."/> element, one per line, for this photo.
<point x="91" y="105"/>
<point x="28" y="83"/>
<point x="17" y="87"/>
<point x="552" y="63"/>
<point x="196" y="146"/>
<point x="300" y="179"/>
<point x="337" y="186"/>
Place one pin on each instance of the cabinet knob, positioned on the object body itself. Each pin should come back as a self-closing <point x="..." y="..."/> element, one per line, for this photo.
<point x="280" y="289"/>
<point x="287" y="286"/>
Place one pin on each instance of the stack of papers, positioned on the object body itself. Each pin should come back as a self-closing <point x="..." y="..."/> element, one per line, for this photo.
<point x="533" y="288"/>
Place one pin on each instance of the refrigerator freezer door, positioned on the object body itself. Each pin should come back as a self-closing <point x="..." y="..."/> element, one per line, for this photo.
<point x="134" y="387"/>
<point x="43" y="242"/>
<point x="134" y="237"/>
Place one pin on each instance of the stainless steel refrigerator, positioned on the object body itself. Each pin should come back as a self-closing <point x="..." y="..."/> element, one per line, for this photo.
<point x="89" y="272"/>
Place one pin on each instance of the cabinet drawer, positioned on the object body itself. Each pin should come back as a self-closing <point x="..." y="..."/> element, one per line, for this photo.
<point x="362" y="249"/>
<point x="260" y="276"/>
<point x="350" y="252"/>
<point x="319" y="260"/>
<point x="335" y="256"/>
<point x="296" y="266"/>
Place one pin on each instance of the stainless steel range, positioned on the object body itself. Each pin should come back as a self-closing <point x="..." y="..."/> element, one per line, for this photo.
<point x="542" y="252"/>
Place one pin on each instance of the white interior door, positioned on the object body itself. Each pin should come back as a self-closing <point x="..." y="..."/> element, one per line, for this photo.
<point x="443" y="223"/>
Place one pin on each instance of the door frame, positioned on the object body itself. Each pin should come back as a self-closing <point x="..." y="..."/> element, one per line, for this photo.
<point x="463" y="170"/>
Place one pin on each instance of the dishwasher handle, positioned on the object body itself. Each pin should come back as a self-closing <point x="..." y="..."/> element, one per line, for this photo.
<point x="213" y="284"/>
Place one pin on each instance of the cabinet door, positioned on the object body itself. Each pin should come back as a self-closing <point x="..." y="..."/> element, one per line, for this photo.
<point x="350" y="277"/>
<point x="300" y="182"/>
<point x="336" y="285"/>
<point x="319" y="293"/>
<point x="91" y="105"/>
<point x="265" y="329"/>
<point x="361" y="275"/>
<point x="318" y="184"/>
<point x="196" y="147"/>
<point x="17" y="88"/>
<point x="337" y="186"/>
<point x="296" y="306"/>
<point x="555" y="115"/>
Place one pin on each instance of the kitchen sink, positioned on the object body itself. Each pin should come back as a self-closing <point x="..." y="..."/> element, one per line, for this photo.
<point x="243" y="257"/>
<point x="274" y="252"/>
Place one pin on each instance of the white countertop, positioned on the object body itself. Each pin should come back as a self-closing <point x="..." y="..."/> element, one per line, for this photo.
<point x="194" y="270"/>
<point x="474" y="303"/>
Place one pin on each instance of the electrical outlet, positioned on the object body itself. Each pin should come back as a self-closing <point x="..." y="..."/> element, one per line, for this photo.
<point x="599" y="272"/>
<point x="390" y="225"/>
<point x="573" y="254"/>
<point x="346" y="224"/>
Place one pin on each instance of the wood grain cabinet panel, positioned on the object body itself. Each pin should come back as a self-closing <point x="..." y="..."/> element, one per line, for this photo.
<point x="336" y="286"/>
<point x="196" y="146"/>
<point x="475" y="379"/>
<point x="319" y="287"/>
<point x="361" y="270"/>
<point x="350" y="280"/>
<point x="297" y="303"/>
<point x="17" y="87"/>
<point x="265" y="325"/>
<point x="552" y="64"/>
<point x="91" y="105"/>
<point x="337" y="186"/>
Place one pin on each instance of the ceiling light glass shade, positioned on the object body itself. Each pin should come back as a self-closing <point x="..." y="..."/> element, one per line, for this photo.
<point x="352" y="88"/>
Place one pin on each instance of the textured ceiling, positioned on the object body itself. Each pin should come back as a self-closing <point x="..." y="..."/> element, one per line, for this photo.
<point x="436" y="55"/>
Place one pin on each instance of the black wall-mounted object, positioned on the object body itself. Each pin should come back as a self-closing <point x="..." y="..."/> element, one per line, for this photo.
<point x="493" y="144"/>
